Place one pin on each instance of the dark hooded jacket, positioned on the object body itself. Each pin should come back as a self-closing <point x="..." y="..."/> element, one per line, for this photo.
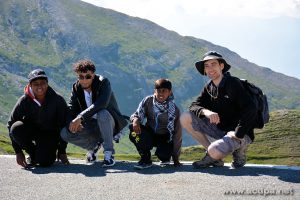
<point x="48" y="118"/>
<point x="102" y="98"/>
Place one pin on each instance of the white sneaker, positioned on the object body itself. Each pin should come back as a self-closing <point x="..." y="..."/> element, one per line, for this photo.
<point x="164" y="163"/>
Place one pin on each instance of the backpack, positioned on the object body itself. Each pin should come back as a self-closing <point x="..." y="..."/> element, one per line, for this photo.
<point x="261" y="102"/>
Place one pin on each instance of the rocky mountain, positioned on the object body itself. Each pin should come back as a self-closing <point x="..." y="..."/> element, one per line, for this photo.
<point x="131" y="52"/>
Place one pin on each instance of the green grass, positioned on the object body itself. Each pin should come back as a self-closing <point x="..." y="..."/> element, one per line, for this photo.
<point x="277" y="143"/>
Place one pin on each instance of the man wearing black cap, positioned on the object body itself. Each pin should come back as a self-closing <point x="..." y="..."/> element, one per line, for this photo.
<point x="222" y="117"/>
<point x="35" y="123"/>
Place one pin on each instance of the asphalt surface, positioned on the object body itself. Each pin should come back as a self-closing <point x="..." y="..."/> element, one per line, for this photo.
<point x="82" y="181"/>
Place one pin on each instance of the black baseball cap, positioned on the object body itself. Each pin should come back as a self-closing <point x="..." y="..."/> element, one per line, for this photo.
<point x="37" y="74"/>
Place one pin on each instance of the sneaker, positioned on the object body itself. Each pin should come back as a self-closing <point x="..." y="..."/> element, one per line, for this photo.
<point x="142" y="164"/>
<point x="208" y="161"/>
<point x="109" y="160"/>
<point x="31" y="163"/>
<point x="165" y="163"/>
<point x="63" y="158"/>
<point x="92" y="155"/>
<point x="30" y="160"/>
<point x="239" y="157"/>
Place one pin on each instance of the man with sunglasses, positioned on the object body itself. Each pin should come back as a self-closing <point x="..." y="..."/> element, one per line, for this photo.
<point x="35" y="123"/>
<point x="94" y="116"/>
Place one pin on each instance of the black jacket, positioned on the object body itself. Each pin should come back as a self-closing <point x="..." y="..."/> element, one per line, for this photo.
<point x="234" y="105"/>
<point x="49" y="118"/>
<point x="102" y="98"/>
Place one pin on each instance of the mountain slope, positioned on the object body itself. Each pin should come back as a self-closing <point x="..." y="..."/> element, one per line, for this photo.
<point x="131" y="52"/>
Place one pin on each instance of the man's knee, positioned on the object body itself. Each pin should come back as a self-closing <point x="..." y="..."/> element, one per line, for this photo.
<point x="104" y="116"/>
<point x="19" y="133"/>
<point x="141" y="142"/>
<point x="186" y="119"/>
<point x="64" y="134"/>
<point x="221" y="148"/>
<point x="215" y="153"/>
<point x="17" y="128"/>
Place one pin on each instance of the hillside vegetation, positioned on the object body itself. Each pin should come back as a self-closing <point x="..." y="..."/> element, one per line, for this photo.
<point x="276" y="143"/>
<point x="131" y="52"/>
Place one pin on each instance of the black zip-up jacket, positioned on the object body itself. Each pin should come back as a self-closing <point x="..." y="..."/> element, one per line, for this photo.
<point x="234" y="105"/>
<point x="49" y="118"/>
<point x="102" y="98"/>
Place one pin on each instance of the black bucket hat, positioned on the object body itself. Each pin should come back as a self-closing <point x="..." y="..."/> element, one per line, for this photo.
<point x="37" y="74"/>
<point x="210" y="56"/>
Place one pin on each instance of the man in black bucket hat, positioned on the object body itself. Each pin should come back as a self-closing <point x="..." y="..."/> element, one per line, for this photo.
<point x="210" y="56"/>
<point x="35" y="123"/>
<point x="222" y="117"/>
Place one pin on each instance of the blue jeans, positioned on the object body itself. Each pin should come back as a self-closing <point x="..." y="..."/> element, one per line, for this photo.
<point x="94" y="131"/>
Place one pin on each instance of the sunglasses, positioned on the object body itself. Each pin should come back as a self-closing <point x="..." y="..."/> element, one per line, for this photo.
<point x="87" y="76"/>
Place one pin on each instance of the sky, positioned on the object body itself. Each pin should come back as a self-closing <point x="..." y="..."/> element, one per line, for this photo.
<point x="265" y="32"/>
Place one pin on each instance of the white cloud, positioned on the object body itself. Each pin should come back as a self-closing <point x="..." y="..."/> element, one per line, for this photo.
<point x="227" y="23"/>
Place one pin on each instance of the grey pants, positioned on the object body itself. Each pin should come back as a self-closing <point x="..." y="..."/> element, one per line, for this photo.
<point x="217" y="137"/>
<point x="94" y="131"/>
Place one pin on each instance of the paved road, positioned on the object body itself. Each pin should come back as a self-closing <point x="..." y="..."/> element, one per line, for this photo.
<point x="82" y="181"/>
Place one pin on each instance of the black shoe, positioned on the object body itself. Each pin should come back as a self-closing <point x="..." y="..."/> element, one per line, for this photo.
<point x="142" y="164"/>
<point x="165" y="163"/>
<point x="208" y="161"/>
<point x="109" y="159"/>
<point x="92" y="155"/>
<point x="239" y="158"/>
<point x="31" y="163"/>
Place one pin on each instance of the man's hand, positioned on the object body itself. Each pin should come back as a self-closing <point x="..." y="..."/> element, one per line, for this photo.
<point x="136" y="126"/>
<point x="20" y="158"/>
<point x="212" y="116"/>
<point x="75" y="125"/>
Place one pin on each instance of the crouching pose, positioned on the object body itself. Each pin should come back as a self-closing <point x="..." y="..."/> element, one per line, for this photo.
<point x="94" y="117"/>
<point x="222" y="118"/>
<point x="162" y="128"/>
<point x="35" y="123"/>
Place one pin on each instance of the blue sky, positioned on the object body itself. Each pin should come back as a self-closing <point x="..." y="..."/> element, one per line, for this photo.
<point x="265" y="32"/>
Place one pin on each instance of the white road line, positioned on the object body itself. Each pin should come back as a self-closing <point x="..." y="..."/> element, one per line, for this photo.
<point x="189" y="163"/>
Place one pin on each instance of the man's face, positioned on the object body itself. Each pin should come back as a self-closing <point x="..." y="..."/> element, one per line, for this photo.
<point x="162" y="94"/>
<point x="213" y="69"/>
<point x="39" y="88"/>
<point x="86" y="79"/>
